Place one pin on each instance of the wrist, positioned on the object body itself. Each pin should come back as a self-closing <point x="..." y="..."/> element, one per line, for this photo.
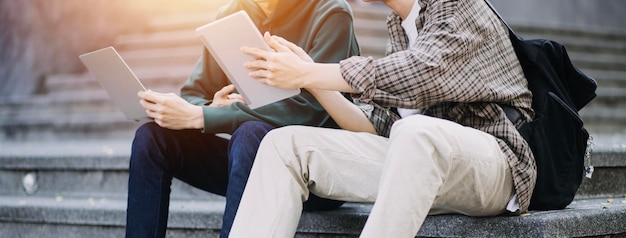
<point x="198" y="117"/>
<point x="326" y="77"/>
<point x="307" y="79"/>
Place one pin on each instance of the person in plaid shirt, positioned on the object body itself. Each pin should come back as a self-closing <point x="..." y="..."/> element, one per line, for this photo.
<point x="426" y="133"/>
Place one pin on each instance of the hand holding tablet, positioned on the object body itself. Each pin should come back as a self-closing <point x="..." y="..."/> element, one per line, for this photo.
<point x="224" y="39"/>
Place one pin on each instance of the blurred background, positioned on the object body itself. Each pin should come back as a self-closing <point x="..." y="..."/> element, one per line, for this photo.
<point x="41" y="38"/>
<point x="40" y="42"/>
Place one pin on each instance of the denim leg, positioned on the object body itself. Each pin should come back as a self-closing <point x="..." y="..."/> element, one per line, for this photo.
<point x="158" y="155"/>
<point x="242" y="150"/>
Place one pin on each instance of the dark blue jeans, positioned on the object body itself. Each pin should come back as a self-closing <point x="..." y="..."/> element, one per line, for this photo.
<point x="202" y="160"/>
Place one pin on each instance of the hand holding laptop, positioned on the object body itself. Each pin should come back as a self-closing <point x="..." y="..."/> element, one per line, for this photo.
<point x="171" y="111"/>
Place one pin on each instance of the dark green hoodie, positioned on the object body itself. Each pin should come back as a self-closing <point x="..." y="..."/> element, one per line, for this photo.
<point x="323" y="28"/>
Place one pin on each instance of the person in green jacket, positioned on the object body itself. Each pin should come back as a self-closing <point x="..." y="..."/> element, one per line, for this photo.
<point x="182" y="142"/>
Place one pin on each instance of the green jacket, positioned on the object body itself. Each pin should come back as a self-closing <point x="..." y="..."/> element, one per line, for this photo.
<point x="323" y="28"/>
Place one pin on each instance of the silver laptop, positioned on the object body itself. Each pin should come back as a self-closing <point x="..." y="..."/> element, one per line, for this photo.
<point x="114" y="75"/>
<point x="224" y="39"/>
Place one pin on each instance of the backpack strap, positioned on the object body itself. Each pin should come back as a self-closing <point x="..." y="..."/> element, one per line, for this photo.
<point x="514" y="116"/>
<point x="500" y="17"/>
<point x="511" y="113"/>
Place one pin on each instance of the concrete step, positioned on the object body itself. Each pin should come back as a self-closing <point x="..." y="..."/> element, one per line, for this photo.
<point x="77" y="107"/>
<point x="607" y="112"/>
<point x="371" y="27"/>
<point x="614" y="97"/>
<point x="374" y="10"/>
<point x="22" y="216"/>
<point x="572" y="33"/>
<point x="608" y="78"/>
<point x="162" y="57"/>
<point x="61" y="104"/>
<point x="71" y="168"/>
<point x="160" y="39"/>
<point x="70" y="82"/>
<point x="594" y="60"/>
<point x="165" y="77"/>
<point x="83" y="113"/>
<point x="93" y="125"/>
<point x="99" y="167"/>
<point x="604" y="119"/>
<point x="57" y="216"/>
<point x="177" y="22"/>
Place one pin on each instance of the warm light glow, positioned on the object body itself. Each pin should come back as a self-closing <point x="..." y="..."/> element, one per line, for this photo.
<point x="167" y="7"/>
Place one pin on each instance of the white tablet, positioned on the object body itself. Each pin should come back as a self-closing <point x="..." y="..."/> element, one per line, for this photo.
<point x="224" y="39"/>
<point x="114" y="75"/>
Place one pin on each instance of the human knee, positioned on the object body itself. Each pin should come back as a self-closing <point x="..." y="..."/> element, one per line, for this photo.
<point x="148" y="143"/>
<point x="145" y="134"/>
<point x="424" y="135"/>
<point x="284" y="132"/>
<point x="416" y="126"/>
<point x="252" y="130"/>
<point x="282" y="141"/>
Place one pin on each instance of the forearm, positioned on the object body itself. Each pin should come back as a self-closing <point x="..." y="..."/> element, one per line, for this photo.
<point x="347" y="115"/>
<point x="324" y="76"/>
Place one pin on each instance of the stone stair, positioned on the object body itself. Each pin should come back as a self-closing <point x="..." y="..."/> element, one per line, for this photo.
<point x="601" y="55"/>
<point x="64" y="154"/>
<point x="73" y="188"/>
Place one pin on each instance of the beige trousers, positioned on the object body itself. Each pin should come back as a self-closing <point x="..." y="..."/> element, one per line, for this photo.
<point x="427" y="166"/>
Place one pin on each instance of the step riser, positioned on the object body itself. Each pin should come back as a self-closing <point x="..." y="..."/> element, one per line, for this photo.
<point x="591" y="64"/>
<point x="52" y="132"/>
<point x="606" y="181"/>
<point x="571" y="34"/>
<point x="163" y="57"/>
<point x="177" y="23"/>
<point x="599" y="126"/>
<point x="20" y="113"/>
<point x="89" y="183"/>
<point x="77" y="84"/>
<point x="159" y="41"/>
<point x="605" y="102"/>
<point x="585" y="218"/>
<point x="53" y="230"/>
<point x="162" y="61"/>
<point x="57" y="125"/>
<point x="123" y="131"/>
<point x="29" y="229"/>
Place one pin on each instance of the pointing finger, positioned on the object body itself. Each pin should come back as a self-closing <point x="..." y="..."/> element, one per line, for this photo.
<point x="274" y="44"/>
<point x="256" y="52"/>
<point x="290" y="45"/>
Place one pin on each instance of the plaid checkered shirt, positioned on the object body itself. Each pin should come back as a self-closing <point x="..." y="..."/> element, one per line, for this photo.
<point x="461" y="68"/>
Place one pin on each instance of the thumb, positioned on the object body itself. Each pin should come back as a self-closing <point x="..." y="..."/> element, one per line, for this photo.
<point x="225" y="90"/>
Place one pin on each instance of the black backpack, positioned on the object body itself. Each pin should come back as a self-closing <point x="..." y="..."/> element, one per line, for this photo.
<point x="556" y="134"/>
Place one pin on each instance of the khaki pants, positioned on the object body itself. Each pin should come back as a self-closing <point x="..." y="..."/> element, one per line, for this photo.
<point x="427" y="166"/>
